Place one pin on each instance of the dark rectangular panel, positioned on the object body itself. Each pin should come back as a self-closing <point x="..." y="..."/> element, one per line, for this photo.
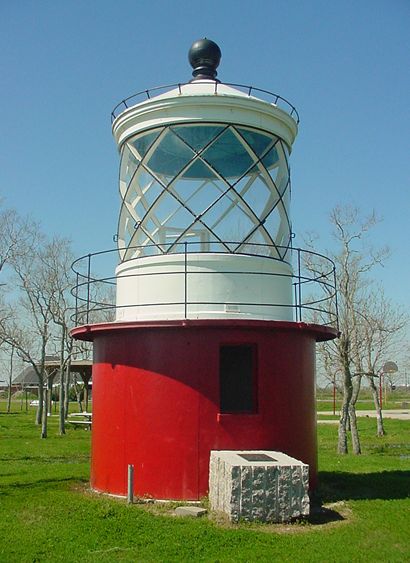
<point x="237" y="379"/>
<point x="257" y="457"/>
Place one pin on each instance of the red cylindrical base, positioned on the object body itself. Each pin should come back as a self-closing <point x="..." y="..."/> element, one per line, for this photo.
<point x="156" y="400"/>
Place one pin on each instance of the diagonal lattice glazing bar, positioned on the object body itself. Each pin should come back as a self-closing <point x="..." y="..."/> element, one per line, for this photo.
<point x="206" y="184"/>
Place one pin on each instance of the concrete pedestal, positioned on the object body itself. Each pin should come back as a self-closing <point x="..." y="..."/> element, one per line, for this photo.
<point x="259" y="485"/>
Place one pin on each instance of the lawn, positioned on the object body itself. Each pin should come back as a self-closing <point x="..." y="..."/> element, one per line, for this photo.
<point x="48" y="513"/>
<point x="397" y="399"/>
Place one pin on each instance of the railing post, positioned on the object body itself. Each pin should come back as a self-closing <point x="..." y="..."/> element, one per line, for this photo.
<point x="76" y="299"/>
<point x="185" y="279"/>
<point x="300" y="289"/>
<point x="88" y="286"/>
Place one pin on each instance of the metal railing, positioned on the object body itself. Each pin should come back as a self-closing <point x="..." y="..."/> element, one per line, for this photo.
<point x="265" y="95"/>
<point x="313" y="280"/>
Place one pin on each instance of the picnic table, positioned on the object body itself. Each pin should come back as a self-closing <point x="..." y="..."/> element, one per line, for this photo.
<point x="77" y="419"/>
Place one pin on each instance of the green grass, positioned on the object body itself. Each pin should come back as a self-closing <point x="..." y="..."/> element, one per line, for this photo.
<point x="397" y="399"/>
<point x="48" y="514"/>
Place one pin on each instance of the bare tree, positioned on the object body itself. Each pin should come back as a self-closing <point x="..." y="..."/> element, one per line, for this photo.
<point x="380" y="331"/>
<point x="18" y="237"/>
<point x="57" y="260"/>
<point x="354" y="258"/>
<point x="30" y="326"/>
<point x="30" y="345"/>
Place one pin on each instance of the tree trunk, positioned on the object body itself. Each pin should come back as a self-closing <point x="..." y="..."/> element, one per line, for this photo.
<point x="379" y="417"/>
<point x="344" y="415"/>
<point x="50" y="380"/>
<point x="67" y="388"/>
<point x="352" y="416"/>
<point x="45" y="414"/>
<point x="86" y="395"/>
<point x="62" y="403"/>
<point x="347" y="397"/>
<point x="39" y="414"/>
<point x="86" y="388"/>
<point x="10" y="381"/>
<point x="354" y="431"/>
<point x="356" y="389"/>
<point x="42" y="378"/>
<point x="62" y="387"/>
<point x="78" y="393"/>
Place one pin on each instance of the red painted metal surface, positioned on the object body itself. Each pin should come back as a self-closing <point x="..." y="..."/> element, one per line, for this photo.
<point x="156" y="401"/>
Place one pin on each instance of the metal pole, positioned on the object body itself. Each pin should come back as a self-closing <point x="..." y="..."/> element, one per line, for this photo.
<point x="88" y="286"/>
<point x="300" y="288"/>
<point x="130" y="493"/>
<point x="185" y="280"/>
<point x="76" y="300"/>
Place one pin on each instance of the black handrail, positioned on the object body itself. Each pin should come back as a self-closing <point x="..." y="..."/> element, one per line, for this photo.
<point x="324" y="305"/>
<point x="147" y="94"/>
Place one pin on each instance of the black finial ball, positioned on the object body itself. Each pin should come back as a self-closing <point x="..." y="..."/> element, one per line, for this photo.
<point x="204" y="57"/>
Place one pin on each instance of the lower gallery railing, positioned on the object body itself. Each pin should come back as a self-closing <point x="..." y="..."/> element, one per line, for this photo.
<point x="309" y="275"/>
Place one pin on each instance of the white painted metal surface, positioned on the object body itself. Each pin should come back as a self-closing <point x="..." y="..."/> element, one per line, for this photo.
<point x="198" y="104"/>
<point x="223" y="286"/>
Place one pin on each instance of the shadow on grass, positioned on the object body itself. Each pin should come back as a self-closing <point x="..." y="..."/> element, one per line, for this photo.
<point x="320" y="515"/>
<point x="40" y="483"/>
<point x="386" y="485"/>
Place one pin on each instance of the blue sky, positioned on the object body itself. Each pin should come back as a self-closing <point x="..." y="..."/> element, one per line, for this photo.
<point x="344" y="65"/>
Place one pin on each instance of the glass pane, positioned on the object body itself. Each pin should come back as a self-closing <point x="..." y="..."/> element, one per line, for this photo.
<point x="255" y="192"/>
<point x="197" y="194"/>
<point x="142" y="179"/>
<point x="165" y="208"/>
<point x="271" y="159"/>
<point x="143" y="142"/>
<point x="170" y="156"/>
<point x="272" y="223"/>
<point x="258" y="142"/>
<point x="125" y="228"/>
<point x="198" y="136"/>
<point x="149" y="225"/>
<point x="179" y="220"/>
<point x="228" y="156"/>
<point x="257" y="244"/>
<point x="152" y="191"/>
<point x="198" y="169"/>
<point x="128" y="166"/>
<point x="228" y="221"/>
